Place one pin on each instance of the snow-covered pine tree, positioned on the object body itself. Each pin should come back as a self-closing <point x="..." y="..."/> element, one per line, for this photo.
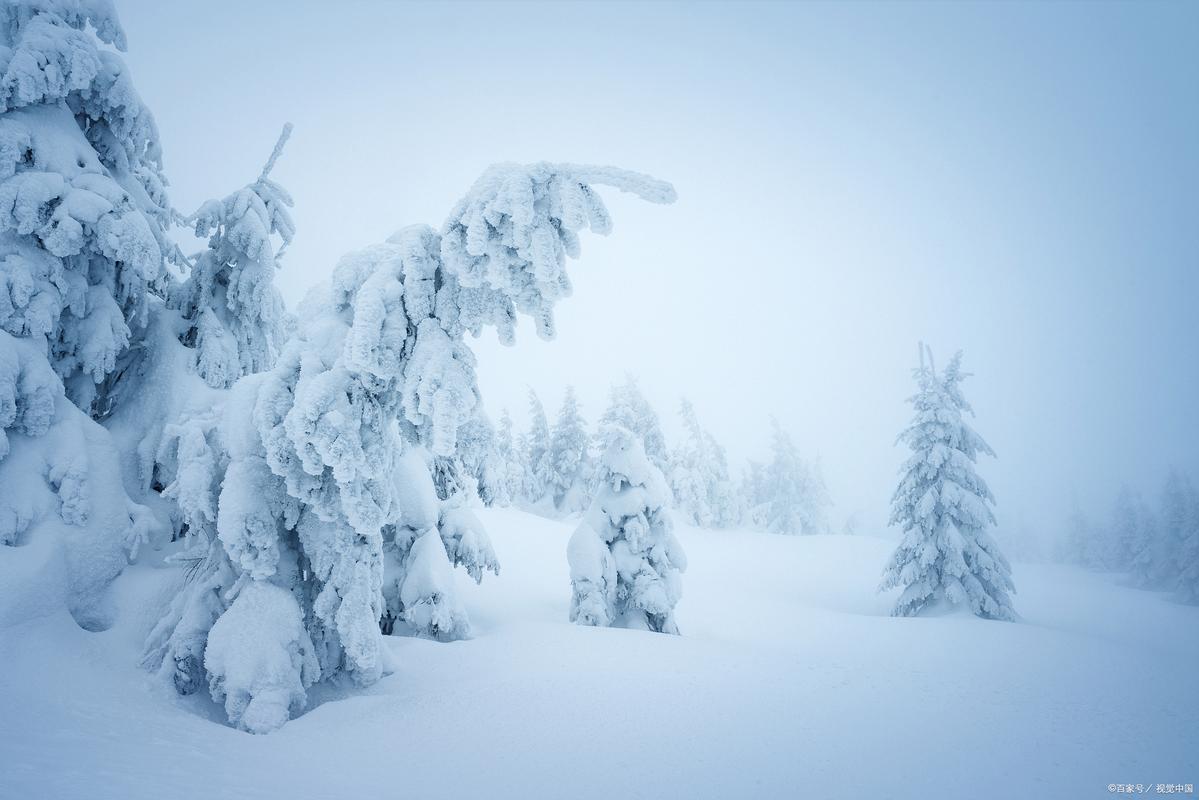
<point x="625" y="561"/>
<point x="1177" y="497"/>
<point x="511" y="465"/>
<point x="1187" y="582"/>
<point x="628" y="409"/>
<point x="1134" y="537"/>
<point x="569" y="470"/>
<point x="699" y="476"/>
<point x="81" y="243"/>
<point x="235" y="318"/>
<point x="197" y="343"/>
<point x="787" y="495"/>
<point x="535" y="452"/>
<point x="943" y="506"/>
<point x="328" y="494"/>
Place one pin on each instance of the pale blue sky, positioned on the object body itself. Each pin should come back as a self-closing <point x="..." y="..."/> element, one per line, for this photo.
<point x="1016" y="179"/>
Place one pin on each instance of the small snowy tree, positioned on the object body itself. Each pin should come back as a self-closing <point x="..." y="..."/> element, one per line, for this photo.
<point x="1187" y="582"/>
<point x="699" y="476"/>
<point x="510" y="464"/>
<point x="628" y="409"/>
<point x="943" y="507"/>
<point x="535" y="451"/>
<point x="787" y="495"/>
<point x="1178" y="495"/>
<point x="625" y="562"/>
<point x="1134" y="537"/>
<point x="568" y="457"/>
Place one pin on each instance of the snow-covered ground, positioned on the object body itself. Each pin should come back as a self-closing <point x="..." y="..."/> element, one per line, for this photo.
<point x="789" y="680"/>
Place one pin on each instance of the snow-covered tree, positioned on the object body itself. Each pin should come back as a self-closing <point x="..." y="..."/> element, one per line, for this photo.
<point x="1134" y="537"/>
<point x="197" y="344"/>
<point x="535" y="453"/>
<point x="235" y="318"/>
<point x="510" y="463"/>
<point x="625" y="562"/>
<point x="1178" y="497"/>
<point x="699" y="476"/>
<point x="1186" y="582"/>
<point x="82" y="241"/>
<point x="628" y="409"/>
<point x="569" y="448"/>
<point x="944" y="507"/>
<point x="327" y="488"/>
<point x="787" y="495"/>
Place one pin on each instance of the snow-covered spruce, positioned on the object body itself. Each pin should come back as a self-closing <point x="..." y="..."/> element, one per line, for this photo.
<point x="1186" y="582"/>
<point x="569" y="457"/>
<point x="787" y="494"/>
<point x="510" y="466"/>
<point x="327" y="491"/>
<point x="699" y="477"/>
<point x="82" y="218"/>
<point x="946" y="554"/>
<point x="1134" y="537"/>
<point x="625" y="561"/>
<point x="221" y="322"/>
<point x="535" y="454"/>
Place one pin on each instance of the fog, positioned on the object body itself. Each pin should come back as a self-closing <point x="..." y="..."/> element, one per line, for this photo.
<point x="1016" y="181"/>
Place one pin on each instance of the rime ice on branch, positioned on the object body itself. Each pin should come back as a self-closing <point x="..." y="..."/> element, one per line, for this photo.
<point x="943" y="506"/>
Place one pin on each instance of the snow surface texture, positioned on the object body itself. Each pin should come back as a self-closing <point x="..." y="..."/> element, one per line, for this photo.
<point x="942" y="505"/>
<point x="791" y="680"/>
<point x="625" y="561"/>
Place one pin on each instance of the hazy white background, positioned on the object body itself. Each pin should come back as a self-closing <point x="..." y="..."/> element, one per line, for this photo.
<point x="1018" y="180"/>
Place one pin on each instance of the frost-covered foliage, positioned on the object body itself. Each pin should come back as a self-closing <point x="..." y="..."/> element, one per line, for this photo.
<point x="569" y="465"/>
<point x="535" y="453"/>
<point x="235" y="319"/>
<point x="628" y="409"/>
<point x="82" y="227"/>
<point x="699" y="477"/>
<point x="625" y="561"/>
<point x="787" y="494"/>
<point x="82" y="217"/>
<point x="325" y="461"/>
<point x="944" y="507"/>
